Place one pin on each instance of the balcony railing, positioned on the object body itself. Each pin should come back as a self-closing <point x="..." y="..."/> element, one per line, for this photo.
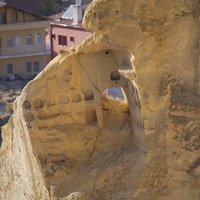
<point x="25" y="51"/>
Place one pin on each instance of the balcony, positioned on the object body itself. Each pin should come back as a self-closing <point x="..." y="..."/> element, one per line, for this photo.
<point x="31" y="50"/>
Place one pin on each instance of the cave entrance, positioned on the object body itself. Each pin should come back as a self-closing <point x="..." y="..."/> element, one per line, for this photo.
<point x="115" y="108"/>
<point x="90" y="115"/>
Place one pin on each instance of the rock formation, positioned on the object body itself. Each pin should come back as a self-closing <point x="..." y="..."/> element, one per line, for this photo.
<point x="68" y="139"/>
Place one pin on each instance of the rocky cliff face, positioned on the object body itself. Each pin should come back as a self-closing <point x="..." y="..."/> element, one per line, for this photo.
<point x="68" y="139"/>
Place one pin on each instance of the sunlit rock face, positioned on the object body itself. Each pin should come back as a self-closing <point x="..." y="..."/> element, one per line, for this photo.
<point x="81" y="119"/>
<point x="164" y="38"/>
<point x="93" y="125"/>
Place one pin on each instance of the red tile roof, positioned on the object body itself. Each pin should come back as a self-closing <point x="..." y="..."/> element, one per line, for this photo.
<point x="2" y="4"/>
<point x="28" y="5"/>
<point x="66" y="4"/>
<point x="57" y="16"/>
<point x="33" y="5"/>
<point x="67" y="22"/>
<point x="21" y="9"/>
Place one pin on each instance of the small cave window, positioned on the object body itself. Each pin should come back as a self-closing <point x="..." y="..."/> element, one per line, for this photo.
<point x="115" y="76"/>
<point x="89" y="95"/>
<point x="63" y="100"/>
<point x="42" y="115"/>
<point x="51" y="102"/>
<point x="76" y="98"/>
<point x="29" y="117"/>
<point x="90" y="115"/>
<point x="26" y="105"/>
<point x="38" y="104"/>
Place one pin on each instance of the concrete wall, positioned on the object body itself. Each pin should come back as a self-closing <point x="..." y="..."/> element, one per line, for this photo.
<point x="19" y="64"/>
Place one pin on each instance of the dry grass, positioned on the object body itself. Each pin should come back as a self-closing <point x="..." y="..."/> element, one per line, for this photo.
<point x="8" y="93"/>
<point x="9" y="107"/>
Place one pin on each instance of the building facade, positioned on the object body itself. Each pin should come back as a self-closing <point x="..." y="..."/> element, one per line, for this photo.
<point x="68" y="31"/>
<point x="23" y="48"/>
<point x="30" y="6"/>
<point x="64" y="35"/>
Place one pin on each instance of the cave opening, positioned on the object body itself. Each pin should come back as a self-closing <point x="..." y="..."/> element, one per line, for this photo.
<point x="115" y="108"/>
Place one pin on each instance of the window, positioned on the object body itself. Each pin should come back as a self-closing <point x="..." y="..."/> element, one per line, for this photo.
<point x="64" y="40"/>
<point x="9" y="41"/>
<point x="36" y="66"/>
<point x="9" y="68"/>
<point x="29" y="39"/>
<point x="28" y="67"/>
<point x="89" y="95"/>
<point x="72" y="39"/>
<point x="53" y="36"/>
<point x="18" y="40"/>
<point x="76" y="98"/>
<point x="38" y="39"/>
<point x="90" y="115"/>
<point x="14" y="16"/>
<point x="2" y="18"/>
<point x="115" y="76"/>
<point x="60" y="39"/>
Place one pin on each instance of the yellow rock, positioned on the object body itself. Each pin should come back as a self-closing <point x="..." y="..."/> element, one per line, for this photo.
<point x="73" y="135"/>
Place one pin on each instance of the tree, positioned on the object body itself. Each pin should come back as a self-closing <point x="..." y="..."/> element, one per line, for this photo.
<point x="49" y="7"/>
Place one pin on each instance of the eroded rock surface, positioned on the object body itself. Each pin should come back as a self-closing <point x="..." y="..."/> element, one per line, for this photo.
<point x="68" y="139"/>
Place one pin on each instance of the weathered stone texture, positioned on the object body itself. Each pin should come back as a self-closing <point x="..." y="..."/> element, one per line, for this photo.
<point x="68" y="140"/>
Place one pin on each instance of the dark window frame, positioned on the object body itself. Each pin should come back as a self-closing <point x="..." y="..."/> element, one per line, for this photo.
<point x="72" y="39"/>
<point x="28" y="67"/>
<point x="9" y="68"/>
<point x="15" y="16"/>
<point x="64" y="39"/>
<point x="29" y="39"/>
<point x="38" y="39"/>
<point x="36" y="66"/>
<point x="59" y="39"/>
<point x="9" y="41"/>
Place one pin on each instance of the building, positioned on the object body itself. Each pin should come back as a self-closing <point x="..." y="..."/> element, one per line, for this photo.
<point x="68" y="30"/>
<point x="67" y="3"/>
<point x="34" y="6"/>
<point x="30" y="6"/>
<point x="23" y="48"/>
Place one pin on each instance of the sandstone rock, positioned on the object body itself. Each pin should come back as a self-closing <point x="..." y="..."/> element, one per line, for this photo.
<point x="68" y="139"/>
